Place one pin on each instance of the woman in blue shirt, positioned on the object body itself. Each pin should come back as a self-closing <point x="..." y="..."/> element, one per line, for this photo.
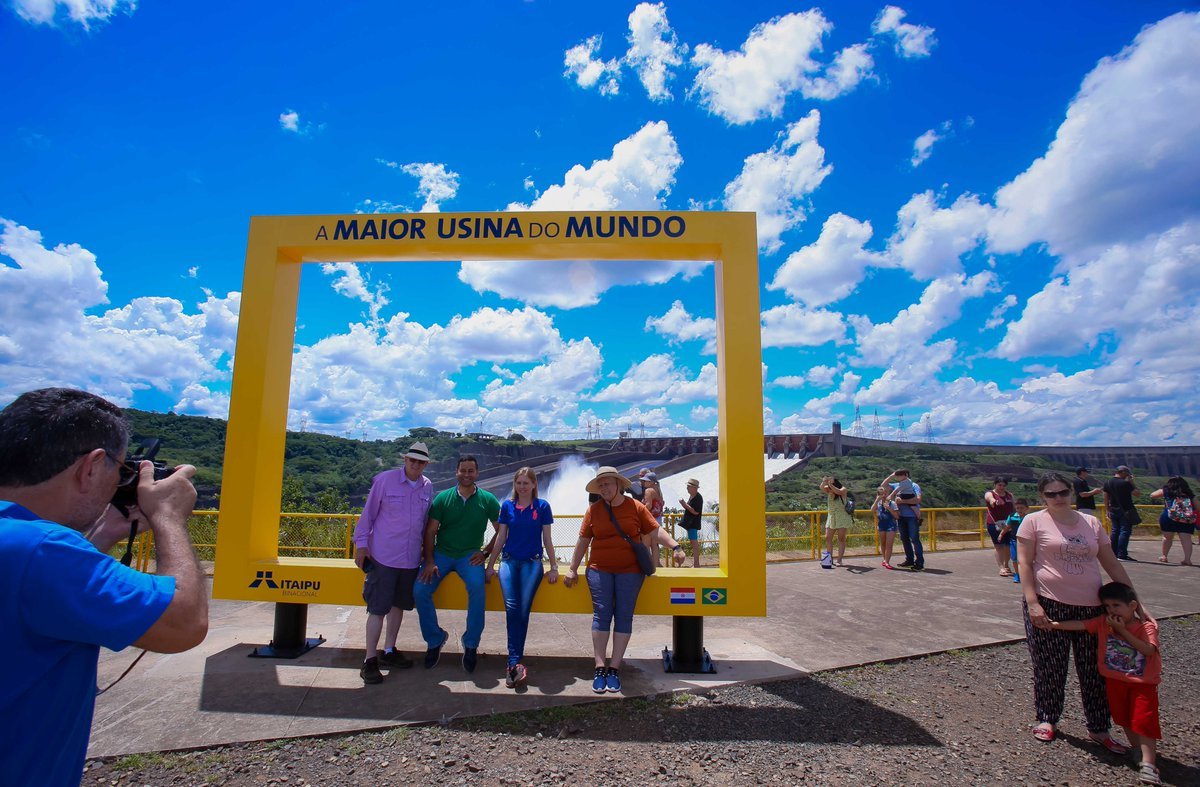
<point x="521" y="532"/>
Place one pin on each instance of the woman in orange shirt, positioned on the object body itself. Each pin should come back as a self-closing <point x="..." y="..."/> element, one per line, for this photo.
<point x="613" y="575"/>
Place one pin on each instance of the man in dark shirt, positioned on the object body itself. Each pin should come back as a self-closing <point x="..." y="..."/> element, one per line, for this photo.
<point x="693" y="507"/>
<point x="1085" y="496"/>
<point x="1119" y="492"/>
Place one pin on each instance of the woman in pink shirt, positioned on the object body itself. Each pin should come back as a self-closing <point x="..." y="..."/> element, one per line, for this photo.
<point x="1061" y="551"/>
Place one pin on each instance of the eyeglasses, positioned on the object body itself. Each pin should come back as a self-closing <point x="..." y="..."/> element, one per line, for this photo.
<point x="1048" y="494"/>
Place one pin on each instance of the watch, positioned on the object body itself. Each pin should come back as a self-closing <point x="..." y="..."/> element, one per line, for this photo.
<point x="677" y="546"/>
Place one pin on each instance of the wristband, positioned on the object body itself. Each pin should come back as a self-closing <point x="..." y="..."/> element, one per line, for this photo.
<point x="677" y="546"/>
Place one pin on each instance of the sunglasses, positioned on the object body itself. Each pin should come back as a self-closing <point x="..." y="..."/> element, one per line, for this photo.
<point x="1056" y="493"/>
<point x="125" y="473"/>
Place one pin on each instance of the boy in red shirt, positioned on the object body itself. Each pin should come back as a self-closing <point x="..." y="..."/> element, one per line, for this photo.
<point x="1132" y="667"/>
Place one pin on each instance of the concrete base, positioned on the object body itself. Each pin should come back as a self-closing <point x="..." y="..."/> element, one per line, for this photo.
<point x="817" y="620"/>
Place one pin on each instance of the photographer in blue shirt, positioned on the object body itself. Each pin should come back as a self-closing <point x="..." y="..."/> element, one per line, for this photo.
<point x="62" y="456"/>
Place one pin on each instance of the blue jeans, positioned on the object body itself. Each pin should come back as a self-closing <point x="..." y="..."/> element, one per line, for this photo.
<point x="910" y="536"/>
<point x="1121" y="531"/>
<point x="613" y="598"/>
<point x="519" y="580"/>
<point x="472" y="577"/>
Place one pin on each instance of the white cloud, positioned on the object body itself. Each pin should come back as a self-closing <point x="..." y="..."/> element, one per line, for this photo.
<point x="703" y="414"/>
<point x="350" y="281"/>
<point x="653" y="48"/>
<point x="776" y="183"/>
<point x="911" y="380"/>
<point x="680" y="326"/>
<point x="930" y="240"/>
<point x="148" y="343"/>
<point x="940" y="305"/>
<point x="923" y="145"/>
<point x="849" y="68"/>
<point x="792" y="325"/>
<point x="82" y="12"/>
<point x="638" y="176"/>
<point x="830" y="268"/>
<point x="435" y="183"/>
<point x="911" y="40"/>
<point x="289" y="120"/>
<point x="546" y="396"/>
<point x="589" y="71"/>
<point x="1133" y="289"/>
<point x="657" y="381"/>
<point x="501" y="335"/>
<point x="198" y="400"/>
<point x="774" y="61"/>
<point x="1124" y="162"/>
<point x="996" y="318"/>
<point x="818" y="376"/>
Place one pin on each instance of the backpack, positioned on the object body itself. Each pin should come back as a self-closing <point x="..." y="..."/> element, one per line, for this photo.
<point x="848" y="501"/>
<point x="1179" y="509"/>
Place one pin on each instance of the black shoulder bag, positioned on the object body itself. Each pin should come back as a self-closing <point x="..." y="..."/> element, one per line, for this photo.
<point x="640" y="551"/>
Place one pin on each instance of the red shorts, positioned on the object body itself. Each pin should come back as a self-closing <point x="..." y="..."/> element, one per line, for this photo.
<point x="1134" y="706"/>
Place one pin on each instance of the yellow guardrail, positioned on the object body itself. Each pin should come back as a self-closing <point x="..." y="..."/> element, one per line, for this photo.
<point x="791" y="535"/>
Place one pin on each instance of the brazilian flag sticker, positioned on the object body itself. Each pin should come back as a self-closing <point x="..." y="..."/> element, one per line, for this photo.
<point x="713" y="596"/>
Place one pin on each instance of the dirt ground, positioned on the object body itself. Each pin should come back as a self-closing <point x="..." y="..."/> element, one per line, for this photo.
<point x="962" y="717"/>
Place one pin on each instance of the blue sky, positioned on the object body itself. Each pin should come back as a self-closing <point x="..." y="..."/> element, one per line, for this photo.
<point x="984" y="219"/>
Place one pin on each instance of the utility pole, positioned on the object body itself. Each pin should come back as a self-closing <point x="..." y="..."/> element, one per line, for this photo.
<point x="928" y="428"/>
<point x="857" y="428"/>
<point x="903" y="434"/>
<point x="875" y="433"/>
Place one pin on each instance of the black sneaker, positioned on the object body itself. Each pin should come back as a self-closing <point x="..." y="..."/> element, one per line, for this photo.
<point x="394" y="659"/>
<point x="470" y="658"/>
<point x="905" y="564"/>
<point x="370" y="673"/>
<point x="1126" y="559"/>
<point x="510" y="678"/>
<point x="917" y="568"/>
<point x="433" y="654"/>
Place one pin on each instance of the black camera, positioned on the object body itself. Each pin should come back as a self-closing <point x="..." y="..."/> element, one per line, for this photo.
<point x="126" y="495"/>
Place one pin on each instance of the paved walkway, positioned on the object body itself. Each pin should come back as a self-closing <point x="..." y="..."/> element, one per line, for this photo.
<point x="817" y="620"/>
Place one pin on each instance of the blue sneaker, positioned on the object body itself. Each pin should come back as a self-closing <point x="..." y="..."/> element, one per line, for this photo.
<point x="600" y="681"/>
<point x="1016" y="579"/>
<point x="613" y="680"/>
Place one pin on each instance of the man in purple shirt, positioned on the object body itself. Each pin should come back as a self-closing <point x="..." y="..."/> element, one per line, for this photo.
<point x="387" y="547"/>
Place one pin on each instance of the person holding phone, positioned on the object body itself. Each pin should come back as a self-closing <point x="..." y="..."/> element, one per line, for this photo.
<point x="387" y="547"/>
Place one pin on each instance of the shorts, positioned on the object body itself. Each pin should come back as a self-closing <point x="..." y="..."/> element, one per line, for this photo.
<point x="1134" y="706"/>
<point x="693" y="533"/>
<point x="386" y="587"/>
<point x="1168" y="525"/>
<point x="993" y="532"/>
<point x="888" y="525"/>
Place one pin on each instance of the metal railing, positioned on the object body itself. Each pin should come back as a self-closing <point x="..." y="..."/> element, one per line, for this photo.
<point x="790" y="535"/>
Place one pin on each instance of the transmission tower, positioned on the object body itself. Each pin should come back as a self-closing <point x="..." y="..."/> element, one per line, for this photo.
<point x="643" y="425"/>
<point x="900" y="426"/>
<point x="875" y="433"/>
<point x="857" y="429"/>
<point x="928" y="428"/>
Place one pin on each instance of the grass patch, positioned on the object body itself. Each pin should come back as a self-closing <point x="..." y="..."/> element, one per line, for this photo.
<point x="140" y="761"/>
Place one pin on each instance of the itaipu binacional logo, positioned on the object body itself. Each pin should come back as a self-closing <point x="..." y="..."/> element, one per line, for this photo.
<point x="290" y="587"/>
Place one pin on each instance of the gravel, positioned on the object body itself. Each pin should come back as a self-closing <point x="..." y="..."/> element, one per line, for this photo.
<point x="962" y="717"/>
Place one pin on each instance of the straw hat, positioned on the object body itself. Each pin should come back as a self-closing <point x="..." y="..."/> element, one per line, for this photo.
<point x="593" y="486"/>
<point x="418" y="451"/>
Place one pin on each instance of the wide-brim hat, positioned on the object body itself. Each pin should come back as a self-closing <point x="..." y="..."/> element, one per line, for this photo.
<point x="650" y="477"/>
<point x="693" y="482"/>
<point x="418" y="451"/>
<point x="593" y="486"/>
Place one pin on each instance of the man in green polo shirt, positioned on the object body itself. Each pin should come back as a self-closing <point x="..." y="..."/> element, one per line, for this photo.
<point x="458" y="518"/>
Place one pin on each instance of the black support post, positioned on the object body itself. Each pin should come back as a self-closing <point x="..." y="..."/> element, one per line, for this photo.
<point x="287" y="640"/>
<point x="689" y="655"/>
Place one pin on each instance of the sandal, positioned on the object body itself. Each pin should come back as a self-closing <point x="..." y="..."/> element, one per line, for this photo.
<point x="1162" y="560"/>
<point x="1004" y="572"/>
<point x="1044" y="732"/>
<point x="1108" y="743"/>
<point x="1149" y="774"/>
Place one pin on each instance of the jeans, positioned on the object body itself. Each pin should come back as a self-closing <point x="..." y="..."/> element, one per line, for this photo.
<point x="519" y="580"/>
<point x="613" y="597"/>
<point x="910" y="536"/>
<point x="1121" y="531"/>
<point x="472" y="577"/>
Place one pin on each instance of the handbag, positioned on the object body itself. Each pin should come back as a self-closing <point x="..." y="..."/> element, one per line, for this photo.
<point x="642" y="552"/>
<point x="1131" y="516"/>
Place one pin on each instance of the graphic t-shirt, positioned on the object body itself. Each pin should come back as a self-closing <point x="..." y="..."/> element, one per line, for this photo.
<point x="1065" y="567"/>
<point x="1118" y="660"/>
